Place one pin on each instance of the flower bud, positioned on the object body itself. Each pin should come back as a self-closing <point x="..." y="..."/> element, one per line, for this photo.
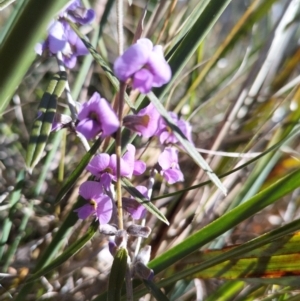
<point x="139" y="231"/>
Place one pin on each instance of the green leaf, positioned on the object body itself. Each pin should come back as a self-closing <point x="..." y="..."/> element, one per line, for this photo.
<point x="227" y="221"/>
<point x="181" y="53"/>
<point x="17" y="48"/>
<point x="13" y="199"/>
<point x="117" y="275"/>
<point x="142" y="200"/>
<point x="186" y="144"/>
<point x="155" y="291"/>
<point x="43" y="124"/>
<point x="5" y="3"/>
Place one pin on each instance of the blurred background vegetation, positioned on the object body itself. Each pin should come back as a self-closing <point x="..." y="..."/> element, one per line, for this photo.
<point x="236" y="79"/>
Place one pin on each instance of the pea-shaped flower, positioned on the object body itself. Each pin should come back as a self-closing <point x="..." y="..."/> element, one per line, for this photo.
<point x="98" y="204"/>
<point x="97" y="116"/>
<point x="144" y="64"/>
<point x="170" y="170"/>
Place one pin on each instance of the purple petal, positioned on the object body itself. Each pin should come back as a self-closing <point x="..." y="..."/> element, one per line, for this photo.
<point x="133" y="59"/>
<point x="100" y="111"/>
<point x="145" y="122"/>
<point x="104" y="209"/>
<point x="108" y="118"/>
<point x="168" y="158"/>
<point x="129" y="158"/>
<point x="85" y="211"/>
<point x="135" y="209"/>
<point x="139" y="167"/>
<point x="56" y="39"/>
<point x="78" y="46"/>
<point x="88" y="128"/>
<point x="82" y="16"/>
<point x="98" y="164"/>
<point x="70" y="61"/>
<point x="159" y="67"/>
<point x="105" y="181"/>
<point x="186" y="129"/>
<point x="143" y="81"/>
<point x="153" y="122"/>
<point x="126" y="169"/>
<point x="72" y="6"/>
<point x="167" y="137"/>
<point x="89" y="107"/>
<point x="90" y="190"/>
<point x="173" y="175"/>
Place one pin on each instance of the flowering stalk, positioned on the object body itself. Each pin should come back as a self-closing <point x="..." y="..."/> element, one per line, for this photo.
<point x="119" y="153"/>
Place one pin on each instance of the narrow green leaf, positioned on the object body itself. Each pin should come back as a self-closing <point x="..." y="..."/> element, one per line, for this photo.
<point x="227" y="221"/>
<point x="142" y="200"/>
<point x="155" y="291"/>
<point x="68" y="253"/>
<point x="17" y="48"/>
<point x="186" y="144"/>
<point x="5" y="3"/>
<point x="117" y="275"/>
<point x="17" y="239"/>
<point x="181" y="53"/>
<point x="280" y="241"/>
<point x="78" y="170"/>
<point x="13" y="199"/>
<point x="42" y="125"/>
<point x="190" y="21"/>
<point x="227" y="291"/>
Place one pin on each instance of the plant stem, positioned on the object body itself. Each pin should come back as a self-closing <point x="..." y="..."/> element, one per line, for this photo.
<point x="119" y="153"/>
<point x="71" y="102"/>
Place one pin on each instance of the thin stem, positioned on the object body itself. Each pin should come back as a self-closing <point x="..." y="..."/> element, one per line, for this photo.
<point x="120" y="26"/>
<point x="143" y="222"/>
<point x="119" y="153"/>
<point x="71" y="102"/>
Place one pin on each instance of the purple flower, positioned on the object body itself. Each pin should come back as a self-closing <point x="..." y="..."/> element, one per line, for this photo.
<point x="137" y="167"/>
<point x="168" y="161"/>
<point x="97" y="116"/>
<point x="167" y="136"/>
<point x="134" y="208"/>
<point x="144" y="64"/>
<point x="99" y="204"/>
<point x="77" y="13"/>
<point x="61" y="38"/>
<point x="104" y="164"/>
<point x="145" y="123"/>
<point x="139" y="265"/>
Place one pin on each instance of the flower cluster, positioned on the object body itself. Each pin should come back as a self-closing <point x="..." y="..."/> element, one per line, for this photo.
<point x="143" y="66"/>
<point x="148" y="123"/>
<point x="61" y="38"/>
<point x="98" y="193"/>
